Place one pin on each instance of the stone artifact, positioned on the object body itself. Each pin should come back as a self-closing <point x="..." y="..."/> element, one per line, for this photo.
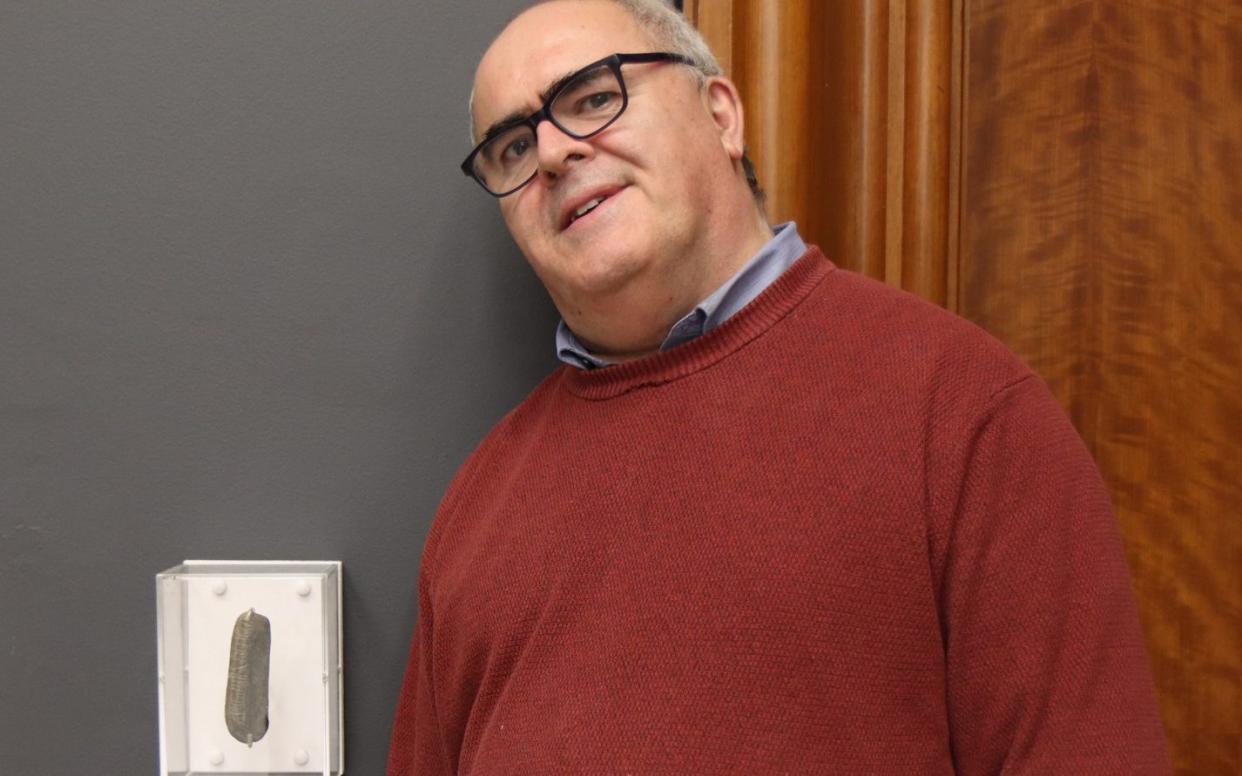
<point x="245" y="703"/>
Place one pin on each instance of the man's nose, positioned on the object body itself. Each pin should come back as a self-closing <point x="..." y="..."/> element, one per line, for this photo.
<point x="558" y="151"/>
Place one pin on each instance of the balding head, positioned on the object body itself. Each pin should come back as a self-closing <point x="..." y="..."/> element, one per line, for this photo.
<point x="674" y="209"/>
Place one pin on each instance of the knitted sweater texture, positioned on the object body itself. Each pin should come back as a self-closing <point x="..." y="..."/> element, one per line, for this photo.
<point x="844" y="532"/>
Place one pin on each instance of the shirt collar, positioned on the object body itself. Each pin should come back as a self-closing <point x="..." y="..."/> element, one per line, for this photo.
<point x="776" y="256"/>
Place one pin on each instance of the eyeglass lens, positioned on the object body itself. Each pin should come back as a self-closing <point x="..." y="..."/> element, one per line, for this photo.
<point x="582" y="107"/>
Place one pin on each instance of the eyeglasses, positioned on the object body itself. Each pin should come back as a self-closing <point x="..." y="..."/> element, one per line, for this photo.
<point x="581" y="104"/>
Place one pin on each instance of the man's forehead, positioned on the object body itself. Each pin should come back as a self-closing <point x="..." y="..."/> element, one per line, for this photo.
<point x="544" y="44"/>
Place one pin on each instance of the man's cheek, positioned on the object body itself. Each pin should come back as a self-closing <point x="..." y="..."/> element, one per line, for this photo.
<point x="523" y="222"/>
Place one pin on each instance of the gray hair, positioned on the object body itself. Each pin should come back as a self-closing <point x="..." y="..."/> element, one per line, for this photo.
<point x="672" y="32"/>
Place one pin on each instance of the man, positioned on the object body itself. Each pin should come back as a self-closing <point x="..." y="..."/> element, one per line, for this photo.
<point x="770" y="517"/>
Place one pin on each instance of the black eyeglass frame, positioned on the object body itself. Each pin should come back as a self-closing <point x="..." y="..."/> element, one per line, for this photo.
<point x="614" y="63"/>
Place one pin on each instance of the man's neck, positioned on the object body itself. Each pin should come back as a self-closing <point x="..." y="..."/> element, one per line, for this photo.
<point x="633" y="322"/>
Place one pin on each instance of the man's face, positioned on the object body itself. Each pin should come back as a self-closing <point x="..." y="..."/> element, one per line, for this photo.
<point x="654" y="166"/>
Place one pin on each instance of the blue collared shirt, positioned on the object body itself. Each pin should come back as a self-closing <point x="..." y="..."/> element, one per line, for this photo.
<point x="776" y="256"/>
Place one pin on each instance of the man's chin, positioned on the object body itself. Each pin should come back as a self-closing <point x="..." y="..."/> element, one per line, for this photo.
<point x="593" y="275"/>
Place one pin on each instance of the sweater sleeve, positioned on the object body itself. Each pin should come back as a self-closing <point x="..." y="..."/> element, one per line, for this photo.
<point x="1046" y="668"/>
<point x="417" y="744"/>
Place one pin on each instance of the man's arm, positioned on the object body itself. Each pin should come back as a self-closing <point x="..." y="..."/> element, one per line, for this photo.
<point x="1046" y="668"/>
<point x="417" y="745"/>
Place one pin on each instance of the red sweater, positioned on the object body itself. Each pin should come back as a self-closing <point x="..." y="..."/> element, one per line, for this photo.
<point x="844" y="532"/>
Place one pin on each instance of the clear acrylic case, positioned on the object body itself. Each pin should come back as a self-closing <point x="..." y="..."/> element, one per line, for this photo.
<point x="197" y="606"/>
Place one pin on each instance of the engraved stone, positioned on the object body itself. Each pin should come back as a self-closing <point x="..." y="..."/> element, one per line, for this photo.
<point x="245" y="704"/>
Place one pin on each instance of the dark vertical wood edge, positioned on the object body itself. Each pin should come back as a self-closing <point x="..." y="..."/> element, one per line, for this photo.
<point x="962" y="200"/>
<point x="895" y="133"/>
<point x="957" y="157"/>
<point x="872" y="137"/>
<point x="928" y="68"/>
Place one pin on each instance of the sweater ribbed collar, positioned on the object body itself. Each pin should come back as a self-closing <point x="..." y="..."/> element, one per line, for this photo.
<point x="763" y="312"/>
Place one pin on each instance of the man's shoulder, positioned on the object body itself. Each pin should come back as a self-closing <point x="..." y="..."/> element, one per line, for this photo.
<point x="877" y="325"/>
<point x="488" y="458"/>
<point x="528" y="414"/>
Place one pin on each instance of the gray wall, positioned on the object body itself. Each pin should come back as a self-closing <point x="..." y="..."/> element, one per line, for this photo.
<point x="249" y="308"/>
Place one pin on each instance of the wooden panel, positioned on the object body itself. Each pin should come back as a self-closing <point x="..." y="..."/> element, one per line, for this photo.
<point x="816" y="87"/>
<point x="852" y="121"/>
<point x="773" y="36"/>
<point x="851" y="130"/>
<point x="1102" y="219"/>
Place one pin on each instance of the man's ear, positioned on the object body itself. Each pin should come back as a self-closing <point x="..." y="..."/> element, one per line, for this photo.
<point x="724" y="104"/>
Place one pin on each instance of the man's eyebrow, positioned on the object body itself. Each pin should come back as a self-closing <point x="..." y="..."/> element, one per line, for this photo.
<point x="519" y="116"/>
<point x="512" y="120"/>
<point x="556" y="85"/>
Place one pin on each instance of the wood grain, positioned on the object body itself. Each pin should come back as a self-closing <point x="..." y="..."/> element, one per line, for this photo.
<point x="1102" y="225"/>
<point x="852" y="121"/>
<point x="773" y="35"/>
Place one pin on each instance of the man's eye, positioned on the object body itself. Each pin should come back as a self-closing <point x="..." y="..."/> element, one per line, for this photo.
<point x="516" y="149"/>
<point x="597" y="101"/>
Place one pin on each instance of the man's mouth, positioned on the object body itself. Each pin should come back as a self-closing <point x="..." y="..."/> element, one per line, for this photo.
<point x="585" y="207"/>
